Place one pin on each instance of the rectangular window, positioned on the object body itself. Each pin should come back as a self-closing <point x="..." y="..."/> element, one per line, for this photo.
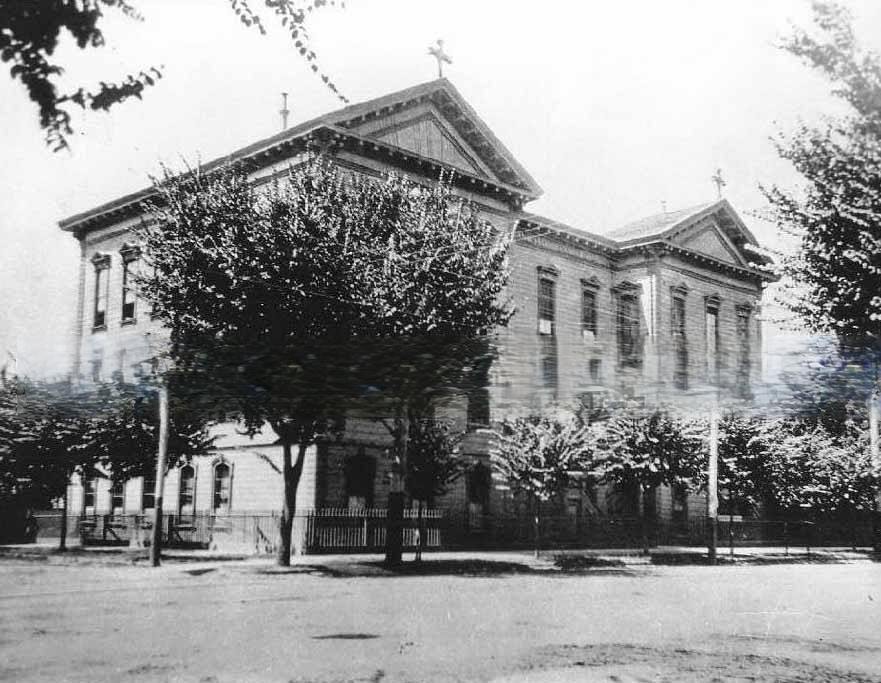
<point x="744" y="360"/>
<point x="680" y="343"/>
<point x="712" y="345"/>
<point x="549" y="373"/>
<point x="629" y="351"/>
<point x="588" y="312"/>
<point x="594" y="366"/>
<point x="90" y="489"/>
<point x="546" y="306"/>
<point x="102" y="273"/>
<point x="117" y="497"/>
<point x="148" y="492"/>
<point x="129" y="294"/>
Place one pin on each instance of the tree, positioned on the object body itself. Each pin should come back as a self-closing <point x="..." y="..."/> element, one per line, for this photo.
<point x="645" y="451"/>
<point x="433" y="463"/>
<point x="31" y="31"/>
<point x="320" y="295"/>
<point x="47" y="434"/>
<point x="744" y="466"/>
<point x="540" y="456"/>
<point x="835" y="276"/>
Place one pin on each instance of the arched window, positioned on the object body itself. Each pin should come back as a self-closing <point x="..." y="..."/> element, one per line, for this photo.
<point x="222" y="487"/>
<point x="186" y="500"/>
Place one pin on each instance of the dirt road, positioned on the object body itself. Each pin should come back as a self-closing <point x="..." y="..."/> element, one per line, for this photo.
<point x="249" y="623"/>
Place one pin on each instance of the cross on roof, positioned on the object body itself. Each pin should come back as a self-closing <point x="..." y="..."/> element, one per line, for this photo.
<point x="719" y="181"/>
<point x="437" y="51"/>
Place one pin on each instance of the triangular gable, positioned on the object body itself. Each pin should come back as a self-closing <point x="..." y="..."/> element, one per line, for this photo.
<point x="434" y="120"/>
<point x="423" y="129"/>
<point x="710" y="241"/>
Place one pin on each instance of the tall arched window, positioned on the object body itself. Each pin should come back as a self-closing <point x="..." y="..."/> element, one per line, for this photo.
<point x="117" y="497"/>
<point x="222" y="487"/>
<point x="186" y="500"/>
<point x="90" y="491"/>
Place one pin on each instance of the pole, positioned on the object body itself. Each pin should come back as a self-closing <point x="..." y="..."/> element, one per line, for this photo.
<point x="156" y="540"/>
<point x="876" y="463"/>
<point x="713" y="483"/>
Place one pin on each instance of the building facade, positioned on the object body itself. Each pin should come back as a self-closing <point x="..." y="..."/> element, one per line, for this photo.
<point x="662" y="311"/>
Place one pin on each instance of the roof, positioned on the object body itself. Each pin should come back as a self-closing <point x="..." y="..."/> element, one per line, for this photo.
<point x="513" y="176"/>
<point x="656" y="225"/>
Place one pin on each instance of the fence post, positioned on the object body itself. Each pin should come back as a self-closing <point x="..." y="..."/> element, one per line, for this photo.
<point x="731" y="536"/>
<point x="786" y="537"/>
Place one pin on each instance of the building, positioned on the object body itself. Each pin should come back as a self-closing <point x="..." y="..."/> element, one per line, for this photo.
<point x="663" y="310"/>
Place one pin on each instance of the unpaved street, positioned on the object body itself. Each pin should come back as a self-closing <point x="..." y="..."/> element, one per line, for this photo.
<point x="246" y="622"/>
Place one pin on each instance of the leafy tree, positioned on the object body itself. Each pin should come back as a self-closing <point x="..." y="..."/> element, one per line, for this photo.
<point x="835" y="276"/>
<point x="645" y="451"/>
<point x="743" y="461"/>
<point x="31" y="31"/>
<point x="540" y="456"/>
<point x="47" y="434"/>
<point x="321" y="295"/>
<point x="433" y="463"/>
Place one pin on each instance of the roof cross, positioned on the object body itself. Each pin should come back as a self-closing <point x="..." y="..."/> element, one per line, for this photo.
<point x="437" y="51"/>
<point x="284" y="111"/>
<point x="719" y="182"/>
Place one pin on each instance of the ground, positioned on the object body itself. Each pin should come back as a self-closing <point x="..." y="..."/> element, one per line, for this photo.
<point x="483" y="620"/>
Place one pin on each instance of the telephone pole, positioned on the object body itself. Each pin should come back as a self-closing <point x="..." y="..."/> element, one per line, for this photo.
<point x="156" y="540"/>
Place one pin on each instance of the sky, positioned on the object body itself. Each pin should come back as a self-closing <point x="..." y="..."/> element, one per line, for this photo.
<point x="613" y="107"/>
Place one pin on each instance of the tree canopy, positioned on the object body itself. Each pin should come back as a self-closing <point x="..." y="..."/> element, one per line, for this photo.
<point x="30" y="32"/>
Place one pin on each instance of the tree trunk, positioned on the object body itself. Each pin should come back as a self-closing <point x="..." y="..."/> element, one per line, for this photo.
<point x="643" y="521"/>
<point x="62" y="543"/>
<point x="536" y="526"/>
<point x="420" y="541"/>
<point x="291" y="473"/>
<point x="394" y="515"/>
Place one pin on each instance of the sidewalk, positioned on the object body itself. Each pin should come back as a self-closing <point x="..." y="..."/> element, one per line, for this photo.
<point x="466" y="561"/>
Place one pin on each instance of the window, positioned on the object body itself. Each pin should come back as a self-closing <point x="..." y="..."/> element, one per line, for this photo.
<point x="90" y="490"/>
<point x="594" y="370"/>
<point x="117" y="497"/>
<point x="712" y="342"/>
<point x="744" y="360"/>
<point x="680" y="343"/>
<point x="477" y="411"/>
<point x="130" y="259"/>
<point x="222" y="487"/>
<point x="148" y="492"/>
<point x="589" y="308"/>
<point x="360" y="472"/>
<point x="186" y="500"/>
<point x="546" y="305"/>
<point x="548" y="363"/>
<point x="679" y="513"/>
<point x="478" y="488"/>
<point x="102" y="273"/>
<point x="629" y="348"/>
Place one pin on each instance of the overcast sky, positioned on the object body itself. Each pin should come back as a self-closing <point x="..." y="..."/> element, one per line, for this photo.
<point x="613" y="107"/>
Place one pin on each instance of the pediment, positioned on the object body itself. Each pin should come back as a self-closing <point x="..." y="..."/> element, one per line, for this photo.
<point x="423" y="129"/>
<point x="708" y="239"/>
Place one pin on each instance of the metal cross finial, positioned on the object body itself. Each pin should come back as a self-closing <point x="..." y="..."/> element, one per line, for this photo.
<point x="437" y="51"/>
<point x="284" y="111"/>
<point x="719" y="181"/>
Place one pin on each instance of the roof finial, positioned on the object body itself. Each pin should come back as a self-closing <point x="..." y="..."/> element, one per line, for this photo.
<point x="437" y="51"/>
<point x="663" y="206"/>
<point x="719" y="181"/>
<point x="284" y="111"/>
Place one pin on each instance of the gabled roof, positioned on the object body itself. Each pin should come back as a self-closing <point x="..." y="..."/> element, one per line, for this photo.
<point x="342" y="125"/>
<point x="656" y="225"/>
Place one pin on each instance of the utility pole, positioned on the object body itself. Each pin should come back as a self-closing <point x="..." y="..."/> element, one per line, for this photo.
<point x="875" y="459"/>
<point x="713" y="482"/>
<point x="156" y="541"/>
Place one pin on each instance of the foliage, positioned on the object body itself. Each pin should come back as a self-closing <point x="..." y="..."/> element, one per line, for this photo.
<point x="835" y="276"/>
<point x="30" y="33"/>
<point x="433" y="459"/>
<point x="325" y="293"/>
<point x="541" y="455"/>
<point x="651" y="450"/>
<point x="814" y="469"/>
<point x="744" y="466"/>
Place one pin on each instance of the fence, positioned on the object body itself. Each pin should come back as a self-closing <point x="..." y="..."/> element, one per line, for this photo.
<point x="314" y="531"/>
